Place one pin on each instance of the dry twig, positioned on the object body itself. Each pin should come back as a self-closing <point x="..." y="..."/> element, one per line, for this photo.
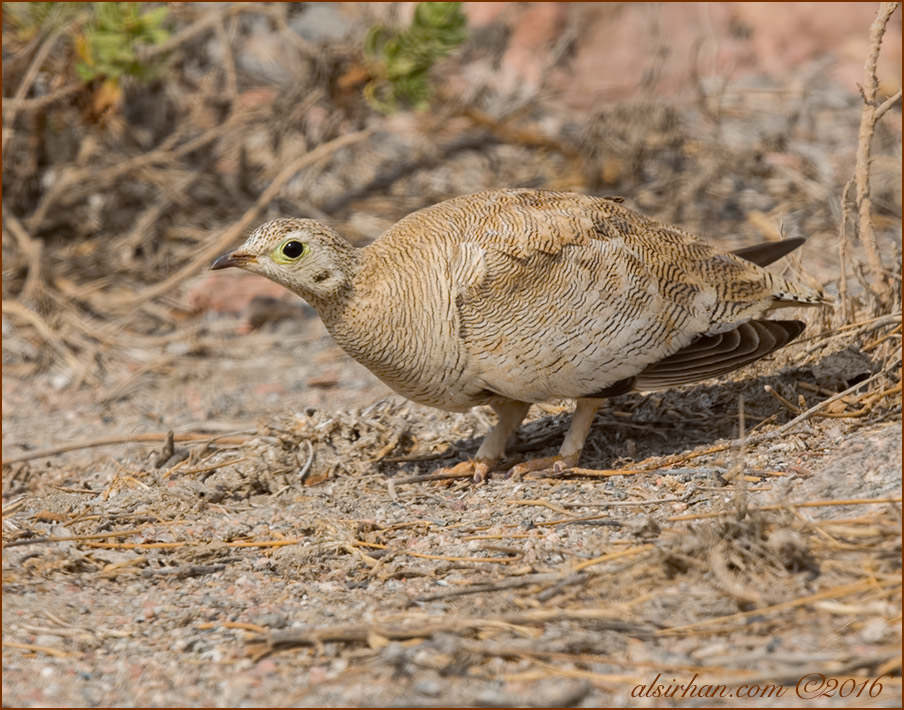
<point x="833" y="593"/>
<point x="28" y="80"/>
<point x="120" y="439"/>
<point x="872" y="112"/>
<point x="31" y="248"/>
<point x="844" y="253"/>
<point x="47" y="334"/>
<point x="782" y="506"/>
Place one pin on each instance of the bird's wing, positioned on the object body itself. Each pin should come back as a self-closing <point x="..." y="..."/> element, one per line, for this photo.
<point x="714" y="355"/>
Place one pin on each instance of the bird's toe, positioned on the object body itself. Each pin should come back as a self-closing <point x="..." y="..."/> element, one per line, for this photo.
<point x="477" y="469"/>
<point x="481" y="471"/>
<point x="556" y="464"/>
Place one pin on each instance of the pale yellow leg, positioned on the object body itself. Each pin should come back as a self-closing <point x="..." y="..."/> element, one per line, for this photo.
<point x="584" y="412"/>
<point x="510" y="414"/>
<point x="570" y="451"/>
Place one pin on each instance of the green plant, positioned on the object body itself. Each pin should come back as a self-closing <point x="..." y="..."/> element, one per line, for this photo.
<point x="401" y="61"/>
<point x="110" y="44"/>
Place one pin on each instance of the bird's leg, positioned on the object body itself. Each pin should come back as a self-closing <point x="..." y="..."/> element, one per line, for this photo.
<point x="570" y="451"/>
<point x="584" y="412"/>
<point x="510" y="414"/>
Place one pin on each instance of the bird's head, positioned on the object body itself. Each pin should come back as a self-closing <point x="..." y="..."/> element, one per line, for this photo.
<point x="307" y="257"/>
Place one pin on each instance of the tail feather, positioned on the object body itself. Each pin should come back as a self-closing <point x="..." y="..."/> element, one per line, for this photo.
<point x="791" y="293"/>
<point x="787" y="292"/>
<point x="768" y="252"/>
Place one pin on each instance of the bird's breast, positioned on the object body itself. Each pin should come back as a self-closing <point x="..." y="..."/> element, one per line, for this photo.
<point x="404" y="328"/>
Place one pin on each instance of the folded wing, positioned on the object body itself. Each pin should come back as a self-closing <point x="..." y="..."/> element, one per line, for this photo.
<point x="715" y="355"/>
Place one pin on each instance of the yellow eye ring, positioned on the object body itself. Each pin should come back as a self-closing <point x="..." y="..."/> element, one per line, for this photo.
<point x="289" y="251"/>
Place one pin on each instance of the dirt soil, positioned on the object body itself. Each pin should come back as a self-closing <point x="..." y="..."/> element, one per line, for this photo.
<point x="287" y="544"/>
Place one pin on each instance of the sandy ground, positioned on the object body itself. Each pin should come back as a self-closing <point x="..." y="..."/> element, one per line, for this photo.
<point x="225" y="579"/>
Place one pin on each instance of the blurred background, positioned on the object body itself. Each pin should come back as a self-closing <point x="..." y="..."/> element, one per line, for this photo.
<point x="140" y="140"/>
<point x="230" y="477"/>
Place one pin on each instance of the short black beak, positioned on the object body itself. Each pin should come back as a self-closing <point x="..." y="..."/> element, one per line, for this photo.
<point x="231" y="259"/>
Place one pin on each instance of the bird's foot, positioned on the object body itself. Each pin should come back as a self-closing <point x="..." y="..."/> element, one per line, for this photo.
<point x="556" y="463"/>
<point x="477" y="469"/>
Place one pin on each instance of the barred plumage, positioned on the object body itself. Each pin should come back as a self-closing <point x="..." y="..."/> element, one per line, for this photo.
<point x="509" y="297"/>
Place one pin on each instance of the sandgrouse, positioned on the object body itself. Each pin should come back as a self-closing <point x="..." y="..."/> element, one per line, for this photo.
<point x="508" y="297"/>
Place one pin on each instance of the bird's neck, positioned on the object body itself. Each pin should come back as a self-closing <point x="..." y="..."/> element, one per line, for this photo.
<point x="393" y="321"/>
<point x="368" y="317"/>
<point x="345" y="312"/>
<point x="333" y="295"/>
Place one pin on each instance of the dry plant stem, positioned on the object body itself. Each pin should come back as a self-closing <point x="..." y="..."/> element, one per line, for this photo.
<point x="29" y="78"/>
<point x="360" y="633"/>
<point x="124" y="439"/>
<point x="25" y="105"/>
<point x="50" y="651"/>
<point x="31" y="248"/>
<point x="863" y="327"/>
<point x="237" y="229"/>
<point x="838" y="668"/>
<point x="184" y="571"/>
<point x="784" y="402"/>
<point x="887" y="104"/>
<point x="15" y="59"/>
<point x="210" y="21"/>
<point x="88" y="179"/>
<point x="152" y="214"/>
<point x="122" y="387"/>
<point x="896" y="333"/>
<point x="843" y="253"/>
<point x="870" y="401"/>
<point x="47" y="334"/>
<point x="73" y="538"/>
<point x="502" y="649"/>
<point x="816" y="407"/>
<point x="783" y="506"/>
<point x="611" y="556"/>
<point x="228" y="59"/>
<point x="278" y="13"/>
<point x="515" y="583"/>
<point x="199" y="26"/>
<point x="870" y="115"/>
<point x="833" y="593"/>
<point x="730" y="677"/>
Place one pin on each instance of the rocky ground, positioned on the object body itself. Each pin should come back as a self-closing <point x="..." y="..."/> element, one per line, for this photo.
<point x="288" y="546"/>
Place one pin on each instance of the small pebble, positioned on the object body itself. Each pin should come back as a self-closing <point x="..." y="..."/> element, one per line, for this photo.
<point x="427" y="686"/>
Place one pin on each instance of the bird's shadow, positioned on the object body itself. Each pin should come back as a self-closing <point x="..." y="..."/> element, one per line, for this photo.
<point x="632" y="427"/>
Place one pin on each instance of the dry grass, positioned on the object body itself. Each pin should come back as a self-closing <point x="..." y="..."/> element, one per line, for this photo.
<point x="314" y="555"/>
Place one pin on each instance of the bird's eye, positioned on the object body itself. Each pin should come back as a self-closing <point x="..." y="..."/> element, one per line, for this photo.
<point x="292" y="249"/>
<point x="289" y="251"/>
